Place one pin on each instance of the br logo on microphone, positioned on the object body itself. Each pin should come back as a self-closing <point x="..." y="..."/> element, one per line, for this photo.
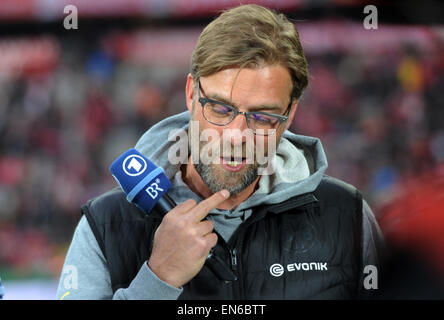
<point x="134" y="165"/>
<point x="153" y="189"/>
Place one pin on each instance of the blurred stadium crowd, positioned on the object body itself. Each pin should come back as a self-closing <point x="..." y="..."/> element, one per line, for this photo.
<point x="69" y="106"/>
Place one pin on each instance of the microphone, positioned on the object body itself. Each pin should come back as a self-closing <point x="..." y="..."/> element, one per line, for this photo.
<point x="146" y="185"/>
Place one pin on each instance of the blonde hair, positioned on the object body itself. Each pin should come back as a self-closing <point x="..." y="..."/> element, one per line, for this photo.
<point x="250" y="36"/>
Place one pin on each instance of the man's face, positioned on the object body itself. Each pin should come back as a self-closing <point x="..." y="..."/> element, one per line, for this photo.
<point x="265" y="89"/>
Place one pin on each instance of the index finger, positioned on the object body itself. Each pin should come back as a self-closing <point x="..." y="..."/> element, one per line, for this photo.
<point x="204" y="207"/>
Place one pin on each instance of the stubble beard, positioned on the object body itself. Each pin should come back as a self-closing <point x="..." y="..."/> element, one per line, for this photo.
<point x="216" y="178"/>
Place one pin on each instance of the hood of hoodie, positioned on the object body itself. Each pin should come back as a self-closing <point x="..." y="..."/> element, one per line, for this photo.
<point x="298" y="166"/>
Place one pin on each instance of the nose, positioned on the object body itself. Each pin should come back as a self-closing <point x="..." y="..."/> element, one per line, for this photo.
<point x="237" y="126"/>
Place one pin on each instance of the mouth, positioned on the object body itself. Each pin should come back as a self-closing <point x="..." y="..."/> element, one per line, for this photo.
<point x="233" y="164"/>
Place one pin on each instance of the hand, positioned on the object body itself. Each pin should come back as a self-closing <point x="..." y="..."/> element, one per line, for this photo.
<point x="182" y="241"/>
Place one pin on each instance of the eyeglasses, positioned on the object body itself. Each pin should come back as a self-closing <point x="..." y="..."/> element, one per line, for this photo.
<point x="221" y="114"/>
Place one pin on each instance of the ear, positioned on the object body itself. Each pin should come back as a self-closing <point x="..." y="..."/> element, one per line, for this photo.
<point x="189" y="92"/>
<point x="291" y="115"/>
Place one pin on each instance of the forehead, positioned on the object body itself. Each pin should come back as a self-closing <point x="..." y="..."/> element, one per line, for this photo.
<point x="268" y="85"/>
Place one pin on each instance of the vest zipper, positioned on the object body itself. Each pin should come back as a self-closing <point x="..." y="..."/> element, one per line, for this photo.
<point x="221" y="268"/>
<point x="233" y="259"/>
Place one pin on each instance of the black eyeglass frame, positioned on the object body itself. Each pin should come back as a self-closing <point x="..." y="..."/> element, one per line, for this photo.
<point x="204" y="100"/>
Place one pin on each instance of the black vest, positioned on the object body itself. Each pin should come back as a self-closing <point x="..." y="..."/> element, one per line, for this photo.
<point x="307" y="247"/>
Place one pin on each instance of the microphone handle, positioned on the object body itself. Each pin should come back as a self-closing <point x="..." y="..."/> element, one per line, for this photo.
<point x="165" y="204"/>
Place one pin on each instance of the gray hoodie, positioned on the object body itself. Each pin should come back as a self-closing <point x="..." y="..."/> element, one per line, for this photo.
<point x="299" y="165"/>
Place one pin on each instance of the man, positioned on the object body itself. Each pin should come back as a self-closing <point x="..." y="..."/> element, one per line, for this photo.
<point x="287" y="233"/>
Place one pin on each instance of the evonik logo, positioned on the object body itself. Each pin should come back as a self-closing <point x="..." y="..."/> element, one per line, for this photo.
<point x="276" y="270"/>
